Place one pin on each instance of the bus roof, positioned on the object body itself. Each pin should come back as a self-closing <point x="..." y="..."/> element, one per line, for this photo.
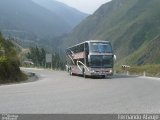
<point x="97" y="41"/>
<point x="88" y="41"/>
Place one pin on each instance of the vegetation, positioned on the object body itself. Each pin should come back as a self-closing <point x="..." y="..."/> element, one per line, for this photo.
<point x="152" y="70"/>
<point x="148" y="70"/>
<point x="9" y="63"/>
<point x="38" y="57"/>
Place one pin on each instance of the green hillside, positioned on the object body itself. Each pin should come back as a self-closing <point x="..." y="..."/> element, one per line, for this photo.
<point x="132" y="26"/>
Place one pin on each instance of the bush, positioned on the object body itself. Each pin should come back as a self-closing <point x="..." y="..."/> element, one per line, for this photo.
<point x="9" y="63"/>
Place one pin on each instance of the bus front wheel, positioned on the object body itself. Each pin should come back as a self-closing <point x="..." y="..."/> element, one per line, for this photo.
<point x="83" y="73"/>
<point x="70" y="72"/>
<point x="108" y="76"/>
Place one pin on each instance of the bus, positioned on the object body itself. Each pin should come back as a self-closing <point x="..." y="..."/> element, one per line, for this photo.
<point x="90" y="58"/>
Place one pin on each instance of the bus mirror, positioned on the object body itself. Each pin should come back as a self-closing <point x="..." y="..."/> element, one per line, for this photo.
<point x="89" y="59"/>
<point x="115" y="57"/>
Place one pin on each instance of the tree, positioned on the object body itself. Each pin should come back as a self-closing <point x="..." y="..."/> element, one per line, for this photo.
<point x="38" y="57"/>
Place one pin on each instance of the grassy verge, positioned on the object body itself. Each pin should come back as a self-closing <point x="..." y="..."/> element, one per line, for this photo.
<point x="150" y="70"/>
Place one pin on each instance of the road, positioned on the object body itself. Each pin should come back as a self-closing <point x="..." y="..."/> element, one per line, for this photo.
<point x="57" y="92"/>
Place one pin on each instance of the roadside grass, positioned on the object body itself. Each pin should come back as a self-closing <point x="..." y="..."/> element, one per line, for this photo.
<point x="152" y="70"/>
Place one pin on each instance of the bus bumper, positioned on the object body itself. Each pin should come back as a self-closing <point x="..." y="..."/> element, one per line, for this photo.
<point x="102" y="73"/>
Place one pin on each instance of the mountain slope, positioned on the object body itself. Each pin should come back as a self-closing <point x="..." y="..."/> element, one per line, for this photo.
<point x="69" y="14"/>
<point x="131" y="25"/>
<point x="28" y="20"/>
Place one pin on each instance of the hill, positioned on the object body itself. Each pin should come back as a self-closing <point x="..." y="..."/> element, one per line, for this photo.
<point x="72" y="16"/>
<point x="28" y="20"/>
<point x="132" y="26"/>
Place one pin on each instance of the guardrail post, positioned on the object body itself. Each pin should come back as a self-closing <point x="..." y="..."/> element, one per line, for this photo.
<point x="144" y="73"/>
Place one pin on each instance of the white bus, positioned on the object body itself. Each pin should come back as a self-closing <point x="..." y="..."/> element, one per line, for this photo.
<point x="90" y="58"/>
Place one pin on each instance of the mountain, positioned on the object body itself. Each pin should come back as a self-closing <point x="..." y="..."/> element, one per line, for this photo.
<point x="72" y="16"/>
<point x="29" y="20"/>
<point x="132" y="26"/>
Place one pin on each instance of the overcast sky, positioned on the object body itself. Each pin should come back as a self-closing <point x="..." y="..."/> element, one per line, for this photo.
<point x="87" y="6"/>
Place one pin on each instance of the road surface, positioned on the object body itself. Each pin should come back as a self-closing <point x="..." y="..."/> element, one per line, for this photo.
<point x="57" y="92"/>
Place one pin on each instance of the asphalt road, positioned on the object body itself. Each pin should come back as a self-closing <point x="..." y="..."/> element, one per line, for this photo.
<point x="57" y="92"/>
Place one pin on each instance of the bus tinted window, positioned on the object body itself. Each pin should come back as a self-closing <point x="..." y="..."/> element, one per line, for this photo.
<point x="101" y="61"/>
<point x="100" y="47"/>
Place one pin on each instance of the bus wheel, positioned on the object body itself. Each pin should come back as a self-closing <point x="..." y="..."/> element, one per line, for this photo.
<point x="108" y="76"/>
<point x="70" y="72"/>
<point x="83" y="73"/>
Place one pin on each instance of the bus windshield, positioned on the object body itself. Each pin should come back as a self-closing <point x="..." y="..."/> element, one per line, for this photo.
<point x="101" y="61"/>
<point x="100" y="47"/>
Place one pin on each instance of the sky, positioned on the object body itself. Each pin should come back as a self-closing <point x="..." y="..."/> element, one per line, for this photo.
<point x="87" y="6"/>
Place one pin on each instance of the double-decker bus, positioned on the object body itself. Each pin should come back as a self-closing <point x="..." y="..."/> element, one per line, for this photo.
<point x="90" y="58"/>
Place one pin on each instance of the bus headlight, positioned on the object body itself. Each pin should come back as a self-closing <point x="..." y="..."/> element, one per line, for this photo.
<point x="93" y="71"/>
<point x="110" y="71"/>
